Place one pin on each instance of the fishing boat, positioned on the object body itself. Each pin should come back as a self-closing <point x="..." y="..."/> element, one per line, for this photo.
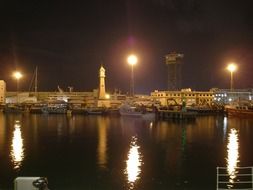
<point x="37" y="107"/>
<point x="56" y="107"/>
<point x="203" y="109"/>
<point x="240" y="110"/>
<point x="95" y="110"/>
<point x="15" y="108"/>
<point x="133" y="111"/>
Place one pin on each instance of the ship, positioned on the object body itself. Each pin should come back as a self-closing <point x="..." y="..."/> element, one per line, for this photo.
<point x="133" y="111"/>
<point x="55" y="107"/>
<point x="239" y="109"/>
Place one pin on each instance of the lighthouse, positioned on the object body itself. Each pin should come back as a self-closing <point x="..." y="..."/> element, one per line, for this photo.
<point x="101" y="90"/>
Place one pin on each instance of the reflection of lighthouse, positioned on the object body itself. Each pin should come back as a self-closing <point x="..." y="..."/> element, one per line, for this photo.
<point x="101" y="90"/>
<point x="102" y="143"/>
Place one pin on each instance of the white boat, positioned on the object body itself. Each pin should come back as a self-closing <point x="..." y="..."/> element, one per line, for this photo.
<point x="128" y="110"/>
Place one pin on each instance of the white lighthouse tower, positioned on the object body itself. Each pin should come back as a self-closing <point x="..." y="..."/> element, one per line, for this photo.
<point x="101" y="90"/>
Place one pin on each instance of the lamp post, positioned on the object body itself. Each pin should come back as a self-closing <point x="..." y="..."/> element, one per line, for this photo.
<point x="132" y="60"/>
<point x="17" y="75"/>
<point x="232" y="68"/>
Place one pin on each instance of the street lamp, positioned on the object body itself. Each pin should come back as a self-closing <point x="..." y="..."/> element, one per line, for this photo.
<point x="132" y="60"/>
<point x="17" y="75"/>
<point x="232" y="68"/>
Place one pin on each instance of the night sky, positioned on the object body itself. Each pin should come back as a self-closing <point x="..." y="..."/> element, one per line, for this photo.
<point x="68" y="41"/>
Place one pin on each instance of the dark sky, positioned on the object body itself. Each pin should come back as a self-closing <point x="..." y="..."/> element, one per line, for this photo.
<point x="68" y="40"/>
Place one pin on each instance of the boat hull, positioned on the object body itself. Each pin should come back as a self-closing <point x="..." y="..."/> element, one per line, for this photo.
<point x="239" y="113"/>
<point x="131" y="114"/>
<point x="128" y="111"/>
<point x="53" y="110"/>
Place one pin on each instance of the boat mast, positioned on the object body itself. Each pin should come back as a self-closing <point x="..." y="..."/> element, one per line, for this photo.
<point x="36" y="82"/>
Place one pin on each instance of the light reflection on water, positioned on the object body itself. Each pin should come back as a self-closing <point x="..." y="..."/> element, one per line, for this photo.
<point x="94" y="146"/>
<point x="102" y="143"/>
<point x="133" y="163"/>
<point x="233" y="155"/>
<point x="2" y="134"/>
<point x="225" y="126"/>
<point x="17" y="151"/>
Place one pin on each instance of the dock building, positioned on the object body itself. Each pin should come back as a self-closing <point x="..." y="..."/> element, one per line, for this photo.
<point x="2" y="91"/>
<point x="226" y="96"/>
<point x="96" y="98"/>
<point x="190" y="97"/>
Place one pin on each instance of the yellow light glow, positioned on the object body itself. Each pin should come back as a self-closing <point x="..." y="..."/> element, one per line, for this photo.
<point x="107" y="96"/>
<point x="132" y="59"/>
<point x="233" y="155"/>
<point x="17" y="152"/>
<point x="232" y="67"/>
<point x="134" y="163"/>
<point x="17" y="75"/>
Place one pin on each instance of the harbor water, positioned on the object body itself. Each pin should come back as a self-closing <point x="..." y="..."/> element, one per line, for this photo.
<point x="121" y="153"/>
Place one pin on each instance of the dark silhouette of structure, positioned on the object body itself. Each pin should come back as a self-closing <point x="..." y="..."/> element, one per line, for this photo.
<point x="174" y="62"/>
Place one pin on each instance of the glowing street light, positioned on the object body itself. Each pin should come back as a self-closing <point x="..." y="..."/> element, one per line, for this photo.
<point x="132" y="60"/>
<point x="17" y="75"/>
<point x="232" y="68"/>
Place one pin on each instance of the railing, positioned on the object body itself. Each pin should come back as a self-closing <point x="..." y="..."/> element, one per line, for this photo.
<point x="237" y="178"/>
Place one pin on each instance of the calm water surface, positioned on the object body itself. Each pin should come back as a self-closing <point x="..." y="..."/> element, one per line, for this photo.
<point x="96" y="152"/>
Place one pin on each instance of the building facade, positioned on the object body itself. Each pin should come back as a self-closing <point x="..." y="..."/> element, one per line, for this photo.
<point x="2" y="91"/>
<point x="191" y="98"/>
<point x="174" y="64"/>
<point x="226" y="96"/>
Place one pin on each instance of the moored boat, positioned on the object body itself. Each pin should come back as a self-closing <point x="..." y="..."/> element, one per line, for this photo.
<point x="95" y="110"/>
<point x="128" y="110"/>
<point x="37" y="108"/>
<point x="56" y="107"/>
<point x="240" y="110"/>
<point x="15" y="108"/>
<point x="203" y="110"/>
